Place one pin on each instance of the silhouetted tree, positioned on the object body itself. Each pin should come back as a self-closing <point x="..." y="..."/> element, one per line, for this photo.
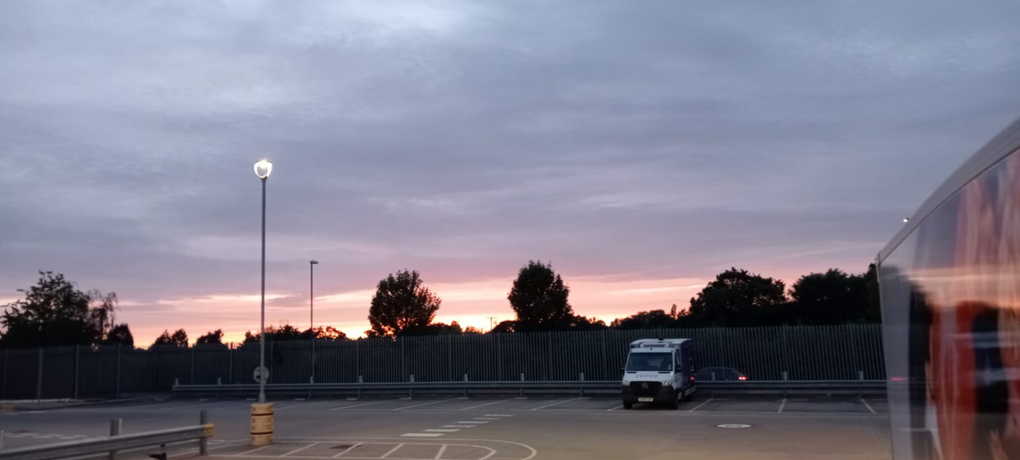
<point x="582" y="323"/>
<point x="120" y="334"/>
<point x="653" y="319"/>
<point x="178" y="339"/>
<point x="504" y="326"/>
<point x="402" y="306"/>
<point x="539" y="298"/>
<point x="832" y="297"/>
<point x="737" y="298"/>
<point x="873" y="312"/>
<point x="210" y="338"/>
<point x="54" y="313"/>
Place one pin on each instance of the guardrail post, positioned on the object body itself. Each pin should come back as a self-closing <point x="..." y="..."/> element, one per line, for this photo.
<point x="203" y="442"/>
<point x="115" y="426"/>
<point x="410" y="391"/>
<point x="785" y="391"/>
<point x="582" y="386"/>
<point x="860" y="375"/>
<point x="1" y="440"/>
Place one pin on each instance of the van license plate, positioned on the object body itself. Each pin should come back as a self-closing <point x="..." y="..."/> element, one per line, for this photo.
<point x="646" y="399"/>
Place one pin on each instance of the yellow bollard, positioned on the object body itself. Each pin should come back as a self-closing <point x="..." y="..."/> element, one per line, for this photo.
<point x="261" y="424"/>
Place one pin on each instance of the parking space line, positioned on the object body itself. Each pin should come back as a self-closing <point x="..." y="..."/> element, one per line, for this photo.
<point x="442" y="430"/>
<point x="488" y="418"/>
<point x="869" y="407"/>
<point x="439" y="454"/>
<point x="702" y="404"/>
<point x="387" y="454"/>
<point x="555" y="403"/>
<point x="252" y="451"/>
<point x="425" y="404"/>
<point x="421" y="435"/>
<point x="498" y="415"/>
<point x="472" y="422"/>
<point x="488" y="404"/>
<point x="781" y="406"/>
<point x="458" y="426"/>
<point x="614" y="408"/>
<point x="347" y="449"/>
<point x="359" y="405"/>
<point x="299" y="449"/>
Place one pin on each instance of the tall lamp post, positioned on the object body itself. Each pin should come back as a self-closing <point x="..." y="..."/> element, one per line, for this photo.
<point x="262" y="169"/>
<point x="311" y="309"/>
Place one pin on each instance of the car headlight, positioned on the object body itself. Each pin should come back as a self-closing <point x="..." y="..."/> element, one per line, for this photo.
<point x="668" y="383"/>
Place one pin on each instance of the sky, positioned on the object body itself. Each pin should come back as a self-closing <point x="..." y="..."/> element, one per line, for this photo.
<point x="640" y="147"/>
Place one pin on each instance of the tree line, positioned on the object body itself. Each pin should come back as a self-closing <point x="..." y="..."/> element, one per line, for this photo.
<point x="55" y="313"/>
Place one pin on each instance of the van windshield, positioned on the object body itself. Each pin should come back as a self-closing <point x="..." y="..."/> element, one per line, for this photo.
<point x="657" y="362"/>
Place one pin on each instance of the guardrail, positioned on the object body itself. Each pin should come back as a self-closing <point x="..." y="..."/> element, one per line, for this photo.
<point x="606" y="387"/>
<point x="116" y="443"/>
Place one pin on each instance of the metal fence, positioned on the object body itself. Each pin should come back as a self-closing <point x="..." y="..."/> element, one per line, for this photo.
<point x="841" y="352"/>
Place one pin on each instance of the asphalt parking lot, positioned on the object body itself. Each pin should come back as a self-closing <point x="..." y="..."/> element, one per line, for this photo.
<point x="495" y="428"/>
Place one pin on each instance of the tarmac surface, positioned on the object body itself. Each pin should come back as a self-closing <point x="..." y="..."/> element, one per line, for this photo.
<point x="508" y="428"/>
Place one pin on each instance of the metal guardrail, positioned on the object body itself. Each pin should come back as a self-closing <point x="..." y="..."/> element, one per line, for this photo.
<point x="859" y="387"/>
<point x="113" y="444"/>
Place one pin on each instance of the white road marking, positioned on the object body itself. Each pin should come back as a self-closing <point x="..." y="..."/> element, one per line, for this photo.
<point x="252" y="451"/>
<point x="387" y="454"/>
<point x="702" y="404"/>
<point x="781" y="406"/>
<point x="869" y="407"/>
<point x="458" y="426"/>
<point x="422" y="435"/>
<point x="425" y="404"/>
<point x="299" y="449"/>
<point x="488" y="418"/>
<point x="363" y="404"/>
<point x="488" y="404"/>
<point x="498" y="415"/>
<point x="347" y="450"/>
<point x="472" y="422"/>
<point x="439" y="454"/>
<point x="442" y="430"/>
<point x="614" y="408"/>
<point x="555" y="403"/>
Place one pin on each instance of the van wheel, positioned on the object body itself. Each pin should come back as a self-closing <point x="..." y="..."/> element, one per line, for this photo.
<point x="628" y="405"/>
<point x="675" y="404"/>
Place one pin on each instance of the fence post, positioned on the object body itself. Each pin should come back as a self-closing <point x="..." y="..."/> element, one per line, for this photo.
<point x="230" y="364"/>
<point x="449" y="357"/>
<point x="155" y="368"/>
<point x="357" y="361"/>
<point x="605" y="357"/>
<point x="77" y="351"/>
<point x="403" y="364"/>
<point x="117" y="390"/>
<point x="191" y="379"/>
<point x="38" y="381"/>
<point x="499" y="359"/>
<point x="786" y="354"/>
<point x="6" y="353"/>
<point x="548" y="364"/>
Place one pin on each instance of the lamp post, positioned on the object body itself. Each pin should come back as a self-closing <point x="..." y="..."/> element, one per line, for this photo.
<point x="311" y="309"/>
<point x="262" y="169"/>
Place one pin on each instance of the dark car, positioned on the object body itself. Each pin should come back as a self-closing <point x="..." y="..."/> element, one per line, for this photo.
<point x="719" y="374"/>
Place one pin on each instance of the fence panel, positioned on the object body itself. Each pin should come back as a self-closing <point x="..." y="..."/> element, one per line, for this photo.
<point x="840" y="352"/>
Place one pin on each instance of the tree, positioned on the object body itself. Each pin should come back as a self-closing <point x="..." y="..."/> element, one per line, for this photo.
<point x="504" y="327"/>
<point x="55" y="313"/>
<point x="287" y="332"/>
<point x="654" y="319"/>
<point x="401" y="306"/>
<point x="211" y="338"/>
<point x="539" y="298"/>
<point x="120" y="334"/>
<point x="178" y="339"/>
<point x="832" y="297"/>
<point x="737" y="298"/>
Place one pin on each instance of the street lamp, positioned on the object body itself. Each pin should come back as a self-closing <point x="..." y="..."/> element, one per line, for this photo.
<point x="311" y="309"/>
<point x="262" y="169"/>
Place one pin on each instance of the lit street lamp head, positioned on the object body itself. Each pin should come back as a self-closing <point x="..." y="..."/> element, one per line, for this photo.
<point x="263" y="168"/>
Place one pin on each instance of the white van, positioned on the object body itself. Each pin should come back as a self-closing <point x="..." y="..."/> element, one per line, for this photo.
<point x="659" y="371"/>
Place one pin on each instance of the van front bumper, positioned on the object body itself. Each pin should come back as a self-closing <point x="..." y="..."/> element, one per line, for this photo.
<point x="664" y="393"/>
